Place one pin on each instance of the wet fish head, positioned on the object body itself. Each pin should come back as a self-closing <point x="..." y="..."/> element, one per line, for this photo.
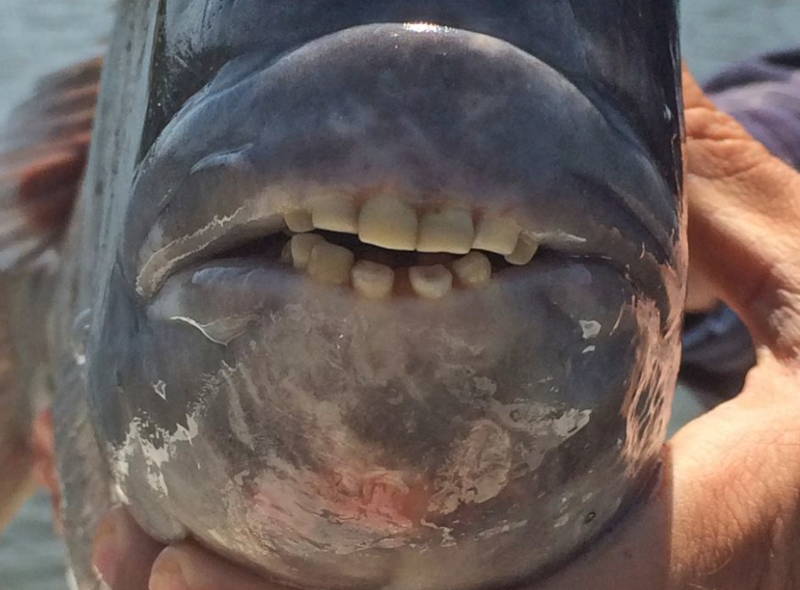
<point x="395" y="286"/>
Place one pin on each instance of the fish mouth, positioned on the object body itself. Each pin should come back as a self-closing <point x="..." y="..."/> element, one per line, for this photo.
<point x="450" y="158"/>
<point x="381" y="247"/>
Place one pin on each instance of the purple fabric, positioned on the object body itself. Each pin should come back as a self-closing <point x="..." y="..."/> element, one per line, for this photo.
<point x="764" y="95"/>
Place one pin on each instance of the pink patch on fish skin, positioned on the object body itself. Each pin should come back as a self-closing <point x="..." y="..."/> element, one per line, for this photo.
<point x="370" y="506"/>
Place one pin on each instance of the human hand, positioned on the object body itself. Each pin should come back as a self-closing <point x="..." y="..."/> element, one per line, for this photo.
<point x="726" y="511"/>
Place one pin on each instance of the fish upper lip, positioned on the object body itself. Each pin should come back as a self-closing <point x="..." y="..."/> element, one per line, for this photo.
<point x="244" y="190"/>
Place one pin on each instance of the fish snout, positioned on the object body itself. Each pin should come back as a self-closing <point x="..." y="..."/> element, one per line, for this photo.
<point x="389" y="139"/>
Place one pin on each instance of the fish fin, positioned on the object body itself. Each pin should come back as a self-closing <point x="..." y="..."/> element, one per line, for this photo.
<point x="43" y="154"/>
<point x="16" y="451"/>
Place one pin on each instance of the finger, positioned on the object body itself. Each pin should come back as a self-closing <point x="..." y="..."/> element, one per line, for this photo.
<point x="123" y="554"/>
<point x="187" y="566"/>
<point x="744" y="215"/>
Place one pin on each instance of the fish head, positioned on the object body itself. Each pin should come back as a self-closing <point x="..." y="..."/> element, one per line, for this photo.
<point x="393" y="289"/>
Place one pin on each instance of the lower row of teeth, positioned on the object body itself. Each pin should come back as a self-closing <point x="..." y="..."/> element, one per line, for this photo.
<point x="335" y="265"/>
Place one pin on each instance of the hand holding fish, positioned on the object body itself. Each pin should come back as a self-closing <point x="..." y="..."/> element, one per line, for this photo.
<point x="726" y="512"/>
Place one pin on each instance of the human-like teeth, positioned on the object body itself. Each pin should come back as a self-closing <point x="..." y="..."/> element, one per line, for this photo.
<point x="496" y="234"/>
<point x="372" y="280"/>
<point x="523" y="253"/>
<point x="299" y="251"/>
<point x="299" y="221"/>
<point x="339" y="215"/>
<point x="473" y="270"/>
<point x="387" y="222"/>
<point x="431" y="282"/>
<point x="450" y="230"/>
<point x="330" y="263"/>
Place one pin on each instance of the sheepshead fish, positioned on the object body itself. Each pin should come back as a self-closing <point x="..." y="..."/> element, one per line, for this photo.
<point x="370" y="294"/>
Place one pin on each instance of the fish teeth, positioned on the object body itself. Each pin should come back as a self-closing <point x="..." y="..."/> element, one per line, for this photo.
<point x="388" y="222"/>
<point x="330" y="263"/>
<point x="299" y="249"/>
<point x="524" y="251"/>
<point x="496" y="234"/>
<point x="430" y="282"/>
<point x="299" y="221"/>
<point x="450" y="230"/>
<point x="335" y="214"/>
<point x="473" y="270"/>
<point x="372" y="280"/>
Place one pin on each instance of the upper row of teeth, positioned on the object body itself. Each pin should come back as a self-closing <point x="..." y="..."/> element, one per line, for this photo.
<point x="389" y="222"/>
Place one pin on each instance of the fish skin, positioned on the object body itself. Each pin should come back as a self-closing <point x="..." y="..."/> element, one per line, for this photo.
<point x="301" y="468"/>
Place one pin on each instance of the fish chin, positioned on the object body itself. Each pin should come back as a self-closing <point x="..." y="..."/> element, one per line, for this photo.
<point x="437" y="353"/>
<point x="330" y="441"/>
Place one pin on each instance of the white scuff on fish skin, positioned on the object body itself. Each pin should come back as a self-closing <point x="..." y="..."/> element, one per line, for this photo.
<point x="154" y="455"/>
<point x="477" y="470"/>
<point x="161" y="389"/>
<point x="159" y="255"/>
<point x="548" y="433"/>
<point x="120" y="466"/>
<point x="571" y="422"/>
<point x="448" y="540"/>
<point x="504" y="528"/>
<point x="216" y="331"/>
<point x="220" y="330"/>
<point x="532" y="419"/>
<point x="589" y="349"/>
<point x="590" y="328"/>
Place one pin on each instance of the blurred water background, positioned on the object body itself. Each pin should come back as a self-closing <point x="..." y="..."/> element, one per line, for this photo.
<point x="38" y="37"/>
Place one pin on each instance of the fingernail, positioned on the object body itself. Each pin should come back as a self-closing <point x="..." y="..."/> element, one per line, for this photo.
<point x="168" y="575"/>
<point x="105" y="555"/>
